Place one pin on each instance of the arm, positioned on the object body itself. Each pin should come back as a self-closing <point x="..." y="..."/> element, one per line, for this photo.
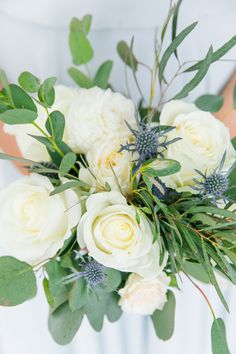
<point x="227" y="114"/>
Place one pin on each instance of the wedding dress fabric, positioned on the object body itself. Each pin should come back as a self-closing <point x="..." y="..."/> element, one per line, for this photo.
<point x="34" y="37"/>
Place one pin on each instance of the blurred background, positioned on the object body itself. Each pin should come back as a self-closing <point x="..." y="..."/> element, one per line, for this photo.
<point x="34" y="37"/>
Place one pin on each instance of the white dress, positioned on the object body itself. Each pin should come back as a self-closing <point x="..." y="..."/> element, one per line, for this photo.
<point x="35" y="38"/>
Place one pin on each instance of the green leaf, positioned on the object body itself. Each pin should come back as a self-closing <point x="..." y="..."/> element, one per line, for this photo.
<point x="29" y="82"/>
<point x="46" y="93"/>
<point x="113" y="279"/>
<point x="19" y="159"/>
<point x="218" y="337"/>
<point x="17" y="281"/>
<point x="197" y="271"/>
<point x="63" y="323"/>
<point x="5" y="85"/>
<point x="18" y="116"/>
<point x="80" y="47"/>
<point x="55" y="125"/>
<point x="217" y="54"/>
<point x="80" y="78"/>
<point x="175" y="23"/>
<point x="86" y="23"/>
<point x="78" y="295"/>
<point x="198" y="77"/>
<point x="21" y="99"/>
<point x="103" y="74"/>
<point x="113" y="309"/>
<point x="172" y="48"/>
<point x="56" y="274"/>
<point x="210" y="103"/>
<point x="55" y="156"/>
<point x="234" y="96"/>
<point x="161" y="168"/>
<point x="67" y="162"/>
<point x="44" y="141"/>
<point x="69" y="185"/>
<point x="127" y="55"/>
<point x="164" y="28"/>
<point x="164" y="321"/>
<point x="95" y="310"/>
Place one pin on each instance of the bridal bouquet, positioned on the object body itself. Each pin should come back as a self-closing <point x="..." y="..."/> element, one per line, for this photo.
<point x="119" y="202"/>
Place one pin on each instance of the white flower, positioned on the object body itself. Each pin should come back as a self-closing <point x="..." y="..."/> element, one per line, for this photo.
<point x="113" y="237"/>
<point x="144" y="296"/>
<point x="96" y="114"/>
<point x="33" y="224"/>
<point x="29" y="147"/>
<point x="109" y="165"/>
<point x="204" y="139"/>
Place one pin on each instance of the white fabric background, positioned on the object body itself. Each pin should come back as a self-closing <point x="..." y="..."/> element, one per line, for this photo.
<point x="34" y="37"/>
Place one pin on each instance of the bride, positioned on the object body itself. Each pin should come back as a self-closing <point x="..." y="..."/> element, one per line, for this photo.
<point x="34" y="38"/>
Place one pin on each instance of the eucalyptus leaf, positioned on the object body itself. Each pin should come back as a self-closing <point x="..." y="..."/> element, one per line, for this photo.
<point x="68" y="185"/>
<point x="210" y="103"/>
<point x="113" y="279"/>
<point x="218" y="337"/>
<point x="164" y="320"/>
<point x="175" y="23"/>
<point x="63" y="323"/>
<point x="219" y="53"/>
<point x="67" y="162"/>
<point x="29" y="82"/>
<point x="18" y="116"/>
<point x="95" y="310"/>
<point x="113" y="309"/>
<point x="80" y="78"/>
<point x="55" y="125"/>
<point x="56" y="274"/>
<point x="127" y="55"/>
<point x="78" y="295"/>
<point x="103" y="74"/>
<point x="198" y="77"/>
<point x="5" y="85"/>
<point x="80" y="47"/>
<point x="21" y="99"/>
<point x="17" y="281"/>
<point x="197" y="271"/>
<point x="46" y="92"/>
<point x="43" y="140"/>
<point x="172" y="48"/>
<point x="86" y="23"/>
<point x="161" y="168"/>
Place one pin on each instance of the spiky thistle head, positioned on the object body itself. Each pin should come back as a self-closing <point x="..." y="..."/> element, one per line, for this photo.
<point x="94" y="274"/>
<point x="215" y="185"/>
<point x="149" y="142"/>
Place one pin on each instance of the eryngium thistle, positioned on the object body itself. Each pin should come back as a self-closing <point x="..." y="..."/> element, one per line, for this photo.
<point x="148" y="142"/>
<point x="216" y="184"/>
<point x="94" y="274"/>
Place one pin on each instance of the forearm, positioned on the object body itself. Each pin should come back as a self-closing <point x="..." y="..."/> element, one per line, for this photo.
<point x="228" y="114"/>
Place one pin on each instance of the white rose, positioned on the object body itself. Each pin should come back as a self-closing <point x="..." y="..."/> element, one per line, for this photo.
<point x="109" y="165"/>
<point x="114" y="238"/>
<point x="144" y="296"/>
<point x="33" y="224"/>
<point x="204" y="139"/>
<point x="96" y="114"/>
<point x="29" y="147"/>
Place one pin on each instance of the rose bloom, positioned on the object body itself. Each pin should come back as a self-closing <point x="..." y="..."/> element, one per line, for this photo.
<point x="113" y="237"/>
<point x="144" y="296"/>
<point x="29" y="147"/>
<point x="204" y="139"/>
<point x="33" y="224"/>
<point x="109" y="165"/>
<point x="96" y="114"/>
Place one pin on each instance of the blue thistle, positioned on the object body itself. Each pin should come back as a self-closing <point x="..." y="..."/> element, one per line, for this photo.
<point x="216" y="184"/>
<point x="93" y="273"/>
<point x="148" y="142"/>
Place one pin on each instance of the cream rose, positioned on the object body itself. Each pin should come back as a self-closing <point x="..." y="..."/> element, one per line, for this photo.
<point x="109" y="165"/>
<point x="33" y="224"/>
<point x="204" y="139"/>
<point x="29" y="147"/>
<point x="96" y="114"/>
<point x="113" y="237"/>
<point x="144" y="296"/>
